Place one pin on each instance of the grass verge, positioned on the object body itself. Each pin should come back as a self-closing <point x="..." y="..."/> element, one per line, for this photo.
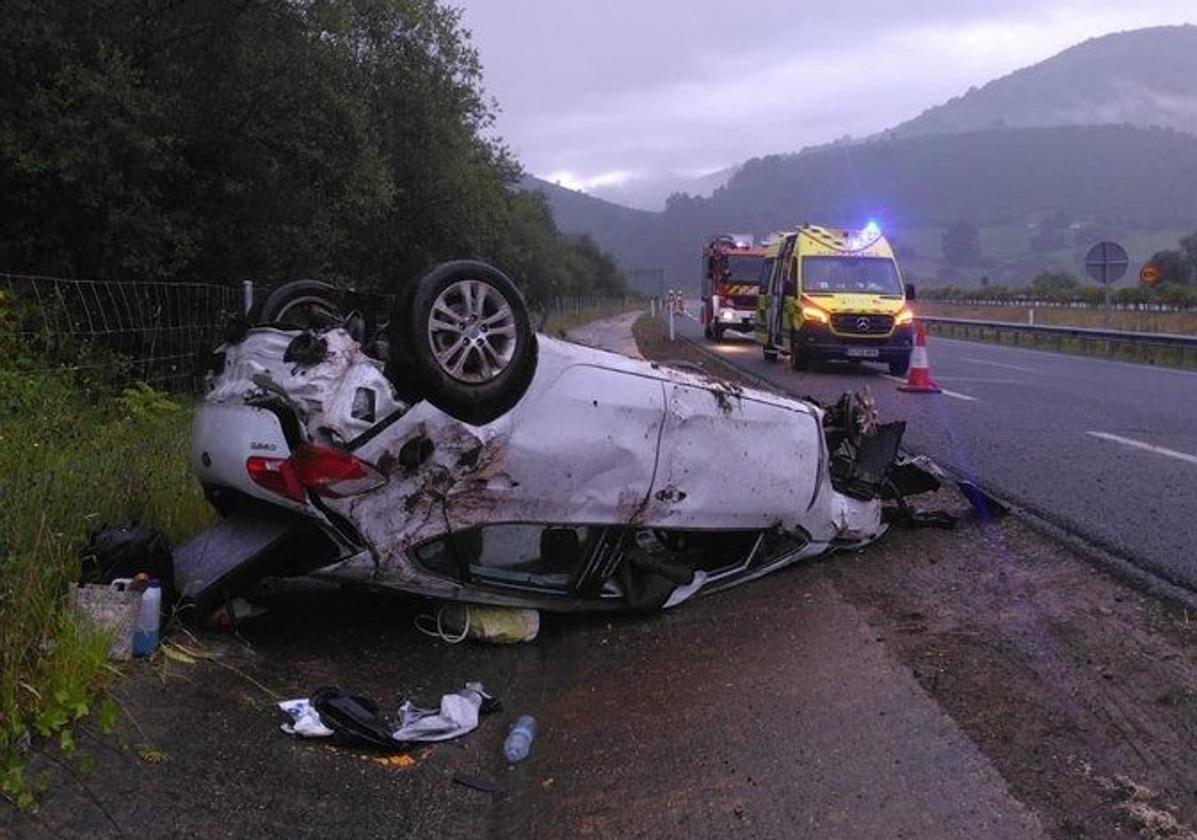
<point x="71" y="461"/>
<point x="1179" y="323"/>
<point x="1149" y="354"/>
<point x="560" y="323"/>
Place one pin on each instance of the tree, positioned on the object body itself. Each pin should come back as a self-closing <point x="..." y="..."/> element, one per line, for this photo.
<point x="1052" y="233"/>
<point x="1055" y="285"/>
<point x="348" y="139"/>
<point x="1188" y="245"/>
<point x="1175" y="268"/>
<point x="962" y="244"/>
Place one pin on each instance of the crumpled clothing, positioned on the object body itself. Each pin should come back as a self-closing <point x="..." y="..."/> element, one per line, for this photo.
<point x="305" y="720"/>
<point x="457" y="716"/>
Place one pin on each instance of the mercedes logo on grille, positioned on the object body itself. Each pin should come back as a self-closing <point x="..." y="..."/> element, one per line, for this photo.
<point x="863" y="324"/>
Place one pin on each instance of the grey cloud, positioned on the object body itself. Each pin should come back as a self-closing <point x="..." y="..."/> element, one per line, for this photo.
<point x="656" y="87"/>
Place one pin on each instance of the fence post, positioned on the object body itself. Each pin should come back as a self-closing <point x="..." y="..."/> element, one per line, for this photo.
<point x="671" y="309"/>
<point x="1031" y="316"/>
<point x="247" y="295"/>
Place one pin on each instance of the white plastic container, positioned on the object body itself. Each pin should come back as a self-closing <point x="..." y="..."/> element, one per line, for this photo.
<point x="145" y="634"/>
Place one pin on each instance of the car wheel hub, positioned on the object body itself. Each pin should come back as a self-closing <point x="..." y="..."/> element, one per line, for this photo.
<point x="472" y="331"/>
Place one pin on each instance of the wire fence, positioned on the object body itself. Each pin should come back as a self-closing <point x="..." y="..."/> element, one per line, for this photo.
<point x="159" y="333"/>
<point x="117" y="333"/>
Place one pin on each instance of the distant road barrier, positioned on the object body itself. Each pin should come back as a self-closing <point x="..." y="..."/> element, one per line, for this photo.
<point x="1152" y="348"/>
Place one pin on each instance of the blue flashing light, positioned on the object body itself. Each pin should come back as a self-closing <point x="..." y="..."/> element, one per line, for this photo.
<point x="872" y="229"/>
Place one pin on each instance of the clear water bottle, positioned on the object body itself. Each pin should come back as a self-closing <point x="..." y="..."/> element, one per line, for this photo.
<point x="520" y="740"/>
<point x="145" y="634"/>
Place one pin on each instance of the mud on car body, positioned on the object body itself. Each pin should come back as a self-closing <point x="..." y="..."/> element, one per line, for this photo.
<point x="483" y="463"/>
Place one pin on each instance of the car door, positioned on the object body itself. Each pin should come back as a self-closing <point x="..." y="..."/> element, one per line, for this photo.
<point x="732" y="461"/>
<point x="781" y="275"/>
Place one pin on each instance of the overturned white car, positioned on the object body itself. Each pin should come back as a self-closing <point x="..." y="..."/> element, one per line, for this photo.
<point x="480" y="462"/>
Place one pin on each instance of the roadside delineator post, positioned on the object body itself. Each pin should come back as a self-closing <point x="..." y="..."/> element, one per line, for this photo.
<point x="919" y="380"/>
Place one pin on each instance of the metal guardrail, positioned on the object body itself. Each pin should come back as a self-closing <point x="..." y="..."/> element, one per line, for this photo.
<point x="1156" y="348"/>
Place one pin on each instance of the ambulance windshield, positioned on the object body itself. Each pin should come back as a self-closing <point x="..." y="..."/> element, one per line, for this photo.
<point x="859" y="275"/>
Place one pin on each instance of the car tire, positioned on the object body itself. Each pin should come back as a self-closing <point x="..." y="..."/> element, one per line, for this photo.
<point x="770" y="355"/>
<point x="302" y="303"/>
<point x="899" y="367"/>
<point x="462" y="339"/>
<point x="798" y="360"/>
<point x="717" y="333"/>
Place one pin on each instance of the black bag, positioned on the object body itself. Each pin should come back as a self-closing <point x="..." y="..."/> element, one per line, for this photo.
<point x="124" y="551"/>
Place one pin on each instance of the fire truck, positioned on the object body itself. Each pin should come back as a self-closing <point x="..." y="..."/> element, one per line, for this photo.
<point x="731" y="282"/>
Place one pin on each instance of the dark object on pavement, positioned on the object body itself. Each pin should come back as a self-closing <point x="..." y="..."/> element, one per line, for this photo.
<point x="124" y="551"/>
<point x="911" y="517"/>
<point x="355" y="721"/>
<point x="987" y="507"/>
<point x="479" y="783"/>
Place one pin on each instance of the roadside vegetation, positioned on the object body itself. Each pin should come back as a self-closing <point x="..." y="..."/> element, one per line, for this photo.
<point x="344" y="139"/>
<point x="74" y="455"/>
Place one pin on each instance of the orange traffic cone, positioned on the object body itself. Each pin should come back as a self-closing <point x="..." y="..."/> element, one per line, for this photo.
<point x="919" y="380"/>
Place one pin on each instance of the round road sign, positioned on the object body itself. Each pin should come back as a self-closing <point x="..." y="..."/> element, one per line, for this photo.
<point x="1149" y="275"/>
<point x="1107" y="262"/>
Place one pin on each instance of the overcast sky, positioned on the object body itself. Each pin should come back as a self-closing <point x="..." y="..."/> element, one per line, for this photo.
<point x="595" y="94"/>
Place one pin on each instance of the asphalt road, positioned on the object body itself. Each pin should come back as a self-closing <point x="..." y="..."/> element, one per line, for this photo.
<point x="1105" y="449"/>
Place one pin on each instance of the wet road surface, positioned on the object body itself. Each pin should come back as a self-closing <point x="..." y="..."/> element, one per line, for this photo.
<point x="1105" y="449"/>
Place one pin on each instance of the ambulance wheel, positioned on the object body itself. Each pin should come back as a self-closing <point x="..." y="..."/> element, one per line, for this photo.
<point x="464" y="341"/>
<point x="899" y="367"/>
<point x="770" y="355"/>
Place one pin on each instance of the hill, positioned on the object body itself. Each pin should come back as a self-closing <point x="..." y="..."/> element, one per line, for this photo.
<point x="1048" y="142"/>
<point x="1141" y="78"/>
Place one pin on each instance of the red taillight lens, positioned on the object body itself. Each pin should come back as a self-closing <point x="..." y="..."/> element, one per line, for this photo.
<point x="329" y="472"/>
<point x="277" y="475"/>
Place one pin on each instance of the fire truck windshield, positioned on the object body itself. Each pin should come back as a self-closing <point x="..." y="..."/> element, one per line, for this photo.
<point x="745" y="269"/>
<point x="861" y="275"/>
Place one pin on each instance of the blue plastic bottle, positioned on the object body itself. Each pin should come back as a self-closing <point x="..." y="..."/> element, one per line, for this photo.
<point x="519" y="741"/>
<point x="145" y="634"/>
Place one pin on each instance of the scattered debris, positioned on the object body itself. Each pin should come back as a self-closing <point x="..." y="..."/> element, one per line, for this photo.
<point x="356" y="721"/>
<point x="479" y="623"/>
<point x="479" y="783"/>
<point x="113" y="609"/>
<point x="519" y="740"/>
<point x="987" y="507"/>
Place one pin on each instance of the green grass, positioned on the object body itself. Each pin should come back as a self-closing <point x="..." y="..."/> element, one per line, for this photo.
<point x="71" y="460"/>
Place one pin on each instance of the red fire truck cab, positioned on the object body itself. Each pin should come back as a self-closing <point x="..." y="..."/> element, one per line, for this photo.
<point x="731" y="282"/>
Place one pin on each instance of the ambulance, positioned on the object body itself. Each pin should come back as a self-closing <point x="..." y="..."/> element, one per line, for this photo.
<point x="731" y="268"/>
<point x="830" y="293"/>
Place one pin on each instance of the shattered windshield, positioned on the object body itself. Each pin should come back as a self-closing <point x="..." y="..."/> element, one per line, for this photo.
<point x="861" y="275"/>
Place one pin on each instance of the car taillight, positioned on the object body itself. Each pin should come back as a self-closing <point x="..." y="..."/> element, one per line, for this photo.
<point x="275" y="474"/>
<point x="329" y="472"/>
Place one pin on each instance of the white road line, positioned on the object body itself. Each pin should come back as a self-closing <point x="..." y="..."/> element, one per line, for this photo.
<point x="944" y="391"/>
<point x="1147" y="447"/>
<point x="998" y="364"/>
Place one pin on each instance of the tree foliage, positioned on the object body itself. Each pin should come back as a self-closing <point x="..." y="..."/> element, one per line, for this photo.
<point x="962" y="244"/>
<point x="257" y="138"/>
